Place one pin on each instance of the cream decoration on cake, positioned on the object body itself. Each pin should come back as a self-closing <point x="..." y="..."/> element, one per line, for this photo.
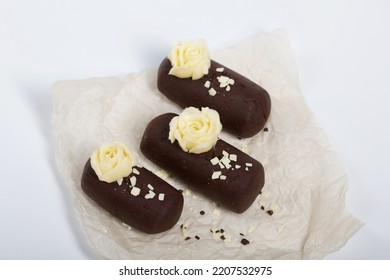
<point x="112" y="162"/>
<point x="196" y="130"/>
<point x="190" y="60"/>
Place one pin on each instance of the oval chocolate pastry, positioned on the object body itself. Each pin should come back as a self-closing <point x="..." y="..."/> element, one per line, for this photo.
<point x="188" y="147"/>
<point x="133" y="194"/>
<point x="189" y="78"/>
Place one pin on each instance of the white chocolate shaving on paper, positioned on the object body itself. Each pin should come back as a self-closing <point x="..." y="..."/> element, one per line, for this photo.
<point x="184" y="231"/>
<point x="163" y="174"/>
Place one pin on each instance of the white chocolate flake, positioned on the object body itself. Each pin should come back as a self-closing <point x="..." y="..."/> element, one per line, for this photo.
<point x="150" y="187"/>
<point x="222" y="177"/>
<point x="161" y="196"/>
<point x="226" y="161"/>
<point x="133" y="180"/>
<point x="135" y="191"/>
<point x="220" y="69"/>
<point x="238" y="166"/>
<point x="249" y="164"/>
<point x="216" y="175"/>
<point x="184" y="231"/>
<point x="215" y="234"/>
<point x="150" y="194"/>
<point x="225" y="81"/>
<point x="207" y="84"/>
<point x="212" y="92"/>
<point x="233" y="157"/>
<point x="135" y="171"/>
<point x="214" y="161"/>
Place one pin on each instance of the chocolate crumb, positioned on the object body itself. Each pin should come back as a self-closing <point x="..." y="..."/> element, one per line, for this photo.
<point x="222" y="230"/>
<point x="211" y="230"/>
<point x="187" y="238"/>
<point x="217" y="231"/>
<point x="265" y="128"/>
<point x="202" y="212"/>
<point x="182" y="225"/>
<point x="181" y="191"/>
<point x="270" y="212"/>
<point x="241" y="234"/>
<point x="197" y="237"/>
<point x="223" y="237"/>
<point x="244" y="241"/>
<point x="262" y="207"/>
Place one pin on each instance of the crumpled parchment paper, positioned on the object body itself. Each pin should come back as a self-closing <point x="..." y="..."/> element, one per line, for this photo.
<point x="305" y="182"/>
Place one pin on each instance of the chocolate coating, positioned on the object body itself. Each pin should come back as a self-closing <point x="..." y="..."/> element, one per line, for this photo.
<point x="243" y="110"/>
<point x="146" y="215"/>
<point x="237" y="192"/>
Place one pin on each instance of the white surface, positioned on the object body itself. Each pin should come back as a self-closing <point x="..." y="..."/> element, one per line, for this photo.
<point x="341" y="49"/>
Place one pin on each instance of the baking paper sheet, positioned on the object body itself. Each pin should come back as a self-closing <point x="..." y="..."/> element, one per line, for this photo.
<point x="305" y="182"/>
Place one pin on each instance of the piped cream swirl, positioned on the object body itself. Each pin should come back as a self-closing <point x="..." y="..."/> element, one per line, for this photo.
<point x="112" y="162"/>
<point x="196" y="131"/>
<point x="190" y="60"/>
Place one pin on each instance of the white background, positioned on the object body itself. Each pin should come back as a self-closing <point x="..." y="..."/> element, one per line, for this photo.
<point x="342" y="51"/>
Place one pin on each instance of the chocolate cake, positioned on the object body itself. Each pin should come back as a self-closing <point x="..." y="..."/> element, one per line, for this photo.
<point x="143" y="200"/>
<point x="224" y="174"/>
<point x="243" y="106"/>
